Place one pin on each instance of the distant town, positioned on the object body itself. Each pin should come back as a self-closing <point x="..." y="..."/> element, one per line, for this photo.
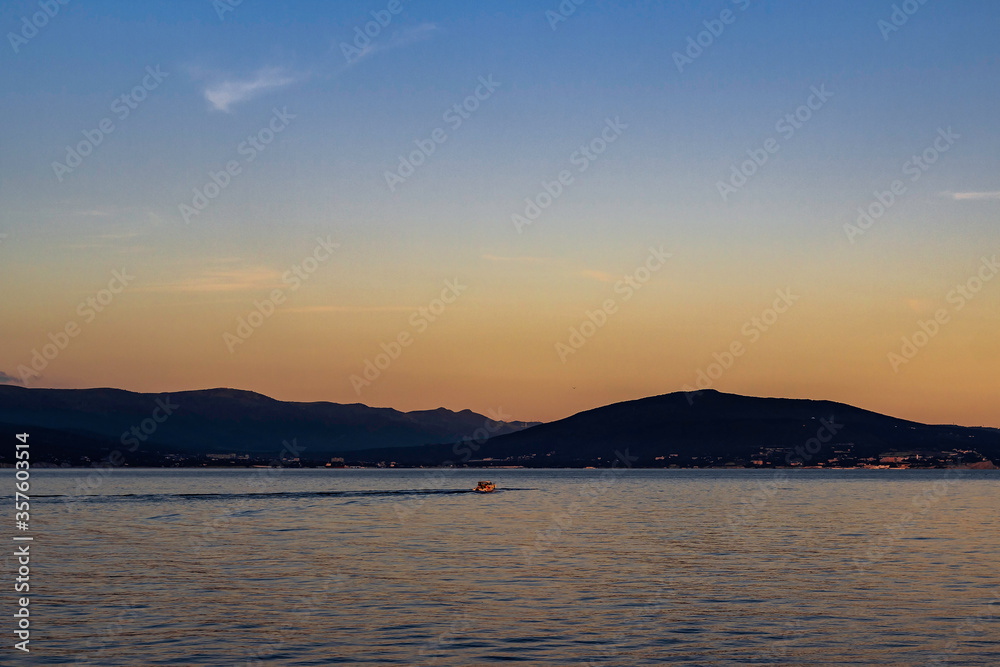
<point x="230" y="428"/>
<point x="841" y="457"/>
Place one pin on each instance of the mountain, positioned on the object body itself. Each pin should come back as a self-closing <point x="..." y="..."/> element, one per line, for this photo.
<point x="712" y="428"/>
<point x="219" y="421"/>
<point x="704" y="429"/>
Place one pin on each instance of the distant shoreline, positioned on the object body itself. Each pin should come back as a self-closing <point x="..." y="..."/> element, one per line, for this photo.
<point x="981" y="465"/>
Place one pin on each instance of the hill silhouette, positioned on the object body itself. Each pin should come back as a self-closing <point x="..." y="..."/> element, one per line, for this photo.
<point x="712" y="427"/>
<point x="224" y="421"/>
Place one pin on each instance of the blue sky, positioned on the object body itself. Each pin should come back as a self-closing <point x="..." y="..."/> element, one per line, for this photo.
<point x="606" y="59"/>
<point x="324" y="173"/>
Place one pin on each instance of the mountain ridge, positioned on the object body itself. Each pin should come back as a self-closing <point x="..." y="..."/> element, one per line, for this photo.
<point x="684" y="429"/>
<point x="714" y="428"/>
<point x="224" y="420"/>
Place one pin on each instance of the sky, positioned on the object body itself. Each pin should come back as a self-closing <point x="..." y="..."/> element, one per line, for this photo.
<point x="527" y="207"/>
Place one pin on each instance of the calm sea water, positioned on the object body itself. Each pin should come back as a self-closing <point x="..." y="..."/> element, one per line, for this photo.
<point x="700" y="567"/>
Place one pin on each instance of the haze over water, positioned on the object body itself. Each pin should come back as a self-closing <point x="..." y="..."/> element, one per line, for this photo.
<point x="634" y="567"/>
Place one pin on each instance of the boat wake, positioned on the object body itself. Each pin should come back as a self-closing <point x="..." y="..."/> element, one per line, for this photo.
<point x="263" y="494"/>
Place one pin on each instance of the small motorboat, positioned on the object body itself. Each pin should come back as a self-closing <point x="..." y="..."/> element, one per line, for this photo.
<point x="486" y="486"/>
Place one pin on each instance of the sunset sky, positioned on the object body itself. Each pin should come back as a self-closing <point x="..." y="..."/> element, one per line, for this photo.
<point x="641" y="126"/>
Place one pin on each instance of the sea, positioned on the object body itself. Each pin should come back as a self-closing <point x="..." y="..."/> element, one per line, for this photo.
<point x="249" y="567"/>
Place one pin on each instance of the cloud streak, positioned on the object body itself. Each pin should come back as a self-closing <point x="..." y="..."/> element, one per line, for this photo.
<point x="222" y="96"/>
<point x="351" y="309"/>
<point x="518" y="260"/>
<point x="975" y="196"/>
<point x="222" y="280"/>
<point x="601" y="276"/>
<point x="398" y="40"/>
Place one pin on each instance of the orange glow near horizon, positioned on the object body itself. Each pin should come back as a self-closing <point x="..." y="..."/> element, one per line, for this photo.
<point x="495" y="346"/>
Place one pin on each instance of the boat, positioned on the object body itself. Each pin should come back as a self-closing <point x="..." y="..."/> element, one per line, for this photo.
<point x="486" y="486"/>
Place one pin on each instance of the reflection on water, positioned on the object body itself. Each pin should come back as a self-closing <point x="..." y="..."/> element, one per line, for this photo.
<point x="320" y="567"/>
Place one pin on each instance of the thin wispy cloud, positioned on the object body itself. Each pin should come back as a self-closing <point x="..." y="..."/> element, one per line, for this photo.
<point x="222" y="96"/>
<point x="103" y="212"/>
<point x="517" y="260"/>
<point x="221" y="280"/>
<point x="600" y="276"/>
<point x="115" y="236"/>
<point x="110" y="247"/>
<point x="920" y="305"/>
<point x="398" y="40"/>
<point x="974" y="196"/>
<point x="117" y="240"/>
<point x="130" y="213"/>
<point x="351" y="309"/>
